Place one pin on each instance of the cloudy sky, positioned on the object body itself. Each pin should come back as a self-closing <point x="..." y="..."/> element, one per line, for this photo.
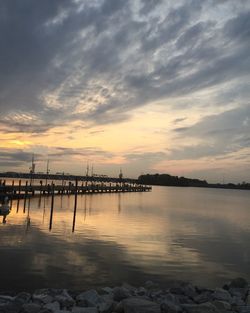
<point x="145" y="85"/>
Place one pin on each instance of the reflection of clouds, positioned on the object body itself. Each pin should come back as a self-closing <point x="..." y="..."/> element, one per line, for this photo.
<point x="171" y="232"/>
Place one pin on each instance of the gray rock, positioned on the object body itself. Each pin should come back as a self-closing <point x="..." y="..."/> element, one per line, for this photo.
<point x="189" y="291"/>
<point x="170" y="307"/>
<point x="65" y="300"/>
<point x="150" y="285"/>
<point x="6" y="299"/>
<point x="23" y="297"/>
<point x="238" y="292"/>
<point x="78" y="309"/>
<point x="31" y="308"/>
<point x="139" y="305"/>
<point x="222" y="306"/>
<point x="222" y="295"/>
<point x="237" y="302"/>
<point x="156" y="294"/>
<point x="42" y="298"/>
<point x="201" y="308"/>
<point x="106" y="307"/>
<point x="130" y="288"/>
<point x="53" y="306"/>
<point x="178" y="290"/>
<point x="107" y="290"/>
<point x="244" y="309"/>
<point x="44" y="310"/>
<point x="119" y="307"/>
<point x="106" y="298"/>
<point x="141" y="291"/>
<point x="120" y="293"/>
<point x="89" y="298"/>
<point x="203" y="297"/>
<point x="171" y="298"/>
<point x="184" y="299"/>
<point x="248" y="300"/>
<point x="11" y="307"/>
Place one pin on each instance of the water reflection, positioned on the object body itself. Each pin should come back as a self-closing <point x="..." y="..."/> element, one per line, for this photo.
<point x="171" y="233"/>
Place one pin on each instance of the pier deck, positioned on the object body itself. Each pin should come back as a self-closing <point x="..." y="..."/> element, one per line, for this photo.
<point x="22" y="191"/>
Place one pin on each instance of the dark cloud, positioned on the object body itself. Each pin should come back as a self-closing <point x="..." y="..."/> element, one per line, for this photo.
<point x="149" y="6"/>
<point x="14" y="157"/>
<point x="220" y="134"/>
<point x="63" y="61"/>
<point x="88" y="151"/>
<point x="178" y="120"/>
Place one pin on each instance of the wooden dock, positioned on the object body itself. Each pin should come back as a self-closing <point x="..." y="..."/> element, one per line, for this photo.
<point x="27" y="189"/>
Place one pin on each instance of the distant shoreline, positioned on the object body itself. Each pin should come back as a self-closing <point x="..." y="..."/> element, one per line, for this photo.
<point x="175" y="181"/>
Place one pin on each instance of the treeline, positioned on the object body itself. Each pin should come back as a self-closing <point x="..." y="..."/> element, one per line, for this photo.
<point x="169" y="180"/>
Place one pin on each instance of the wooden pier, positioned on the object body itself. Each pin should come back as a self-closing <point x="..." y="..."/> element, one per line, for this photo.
<point x="26" y="189"/>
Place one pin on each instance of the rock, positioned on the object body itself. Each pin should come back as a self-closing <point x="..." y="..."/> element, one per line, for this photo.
<point x="178" y="290"/>
<point x="23" y="297"/>
<point x="170" y="307"/>
<point x="130" y="288"/>
<point x="42" y="298"/>
<point x="236" y="301"/>
<point x="84" y="310"/>
<point x="141" y="291"/>
<point x="11" y="307"/>
<point x="222" y="295"/>
<point x="189" y="291"/>
<point x="150" y="285"/>
<point x="106" y="307"/>
<point x="248" y="300"/>
<point x="89" y="298"/>
<point x="184" y="299"/>
<point x="44" y="310"/>
<point x="107" y="290"/>
<point x="65" y="300"/>
<point x="5" y="299"/>
<point x="171" y="298"/>
<point x="156" y="294"/>
<point x="222" y="306"/>
<point x="53" y="306"/>
<point x="238" y="292"/>
<point x="139" y="305"/>
<point x="203" y="297"/>
<point x="119" y="307"/>
<point x="201" y="308"/>
<point x="31" y="308"/>
<point x="238" y="283"/>
<point x="120" y="293"/>
<point x="244" y="309"/>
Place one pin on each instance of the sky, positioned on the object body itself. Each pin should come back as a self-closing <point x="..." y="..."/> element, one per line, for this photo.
<point x="148" y="86"/>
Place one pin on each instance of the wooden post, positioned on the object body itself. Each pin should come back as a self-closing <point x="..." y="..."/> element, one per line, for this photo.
<point x="52" y="207"/>
<point x="41" y="186"/>
<point x="25" y="195"/>
<point x="19" y="192"/>
<point x="75" y="206"/>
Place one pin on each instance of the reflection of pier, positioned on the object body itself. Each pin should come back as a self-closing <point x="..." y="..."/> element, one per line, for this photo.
<point x="26" y="190"/>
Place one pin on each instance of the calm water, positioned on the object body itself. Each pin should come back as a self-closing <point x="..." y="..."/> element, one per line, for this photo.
<point x="201" y="235"/>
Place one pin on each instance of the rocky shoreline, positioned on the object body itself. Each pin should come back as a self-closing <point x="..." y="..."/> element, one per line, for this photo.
<point x="150" y="298"/>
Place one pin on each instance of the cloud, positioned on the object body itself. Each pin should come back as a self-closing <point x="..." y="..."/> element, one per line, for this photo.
<point x="219" y="134"/>
<point x="14" y="158"/>
<point x="20" y="157"/>
<point x="97" y="61"/>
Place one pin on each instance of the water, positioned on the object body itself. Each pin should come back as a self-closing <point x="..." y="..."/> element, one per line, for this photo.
<point x="195" y="234"/>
